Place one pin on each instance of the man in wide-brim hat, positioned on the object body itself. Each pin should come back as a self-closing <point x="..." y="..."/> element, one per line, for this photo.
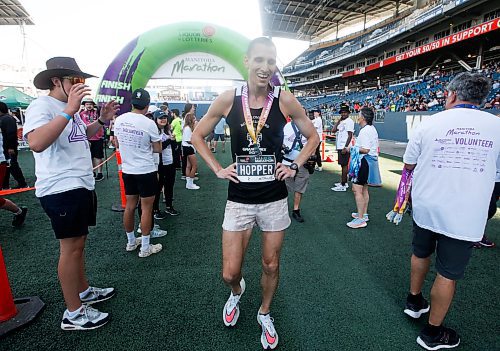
<point x="65" y="184"/>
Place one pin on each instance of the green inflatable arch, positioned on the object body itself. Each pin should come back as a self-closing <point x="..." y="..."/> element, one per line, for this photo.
<point x="142" y="57"/>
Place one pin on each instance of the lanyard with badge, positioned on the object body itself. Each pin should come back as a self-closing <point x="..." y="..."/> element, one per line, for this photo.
<point x="256" y="167"/>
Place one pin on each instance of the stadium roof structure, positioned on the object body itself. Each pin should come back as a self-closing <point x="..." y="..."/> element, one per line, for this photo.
<point x="314" y="19"/>
<point x="13" y="13"/>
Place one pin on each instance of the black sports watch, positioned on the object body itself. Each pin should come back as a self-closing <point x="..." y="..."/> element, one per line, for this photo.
<point x="294" y="166"/>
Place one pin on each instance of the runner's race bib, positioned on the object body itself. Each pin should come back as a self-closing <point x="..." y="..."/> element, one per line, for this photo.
<point x="256" y="169"/>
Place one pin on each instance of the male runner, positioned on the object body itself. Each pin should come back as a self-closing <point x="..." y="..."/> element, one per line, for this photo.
<point x="257" y="192"/>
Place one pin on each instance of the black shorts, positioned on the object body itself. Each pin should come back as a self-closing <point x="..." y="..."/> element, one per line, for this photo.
<point x="452" y="255"/>
<point x="210" y="137"/>
<point x="343" y="158"/>
<point x="71" y="212"/>
<point x="187" y="150"/>
<point x="220" y="137"/>
<point x="144" y="185"/>
<point x="363" y="173"/>
<point x="97" y="148"/>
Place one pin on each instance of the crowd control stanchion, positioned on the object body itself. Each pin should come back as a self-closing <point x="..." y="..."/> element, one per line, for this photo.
<point x="120" y="207"/>
<point x="15" y="313"/>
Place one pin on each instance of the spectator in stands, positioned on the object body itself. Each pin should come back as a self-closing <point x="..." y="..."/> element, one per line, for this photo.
<point x="8" y="127"/>
<point x="344" y="129"/>
<point x="89" y="115"/>
<point x="441" y="224"/>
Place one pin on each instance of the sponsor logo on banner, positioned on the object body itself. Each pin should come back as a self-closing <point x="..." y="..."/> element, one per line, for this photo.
<point x="435" y="45"/>
<point x="198" y="65"/>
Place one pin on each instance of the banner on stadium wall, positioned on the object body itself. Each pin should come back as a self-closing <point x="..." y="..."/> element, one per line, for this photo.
<point x="164" y="52"/>
<point x="435" y="45"/>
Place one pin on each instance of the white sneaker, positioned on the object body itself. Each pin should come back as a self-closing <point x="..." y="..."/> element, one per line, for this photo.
<point x="269" y="336"/>
<point x="192" y="187"/>
<point x="153" y="248"/>
<point x="319" y="169"/>
<point x="158" y="233"/>
<point x="155" y="226"/>
<point x="365" y="216"/>
<point x="87" y="318"/>
<point x="339" y="188"/>
<point x="132" y="247"/>
<point x="340" y="184"/>
<point x="231" y="310"/>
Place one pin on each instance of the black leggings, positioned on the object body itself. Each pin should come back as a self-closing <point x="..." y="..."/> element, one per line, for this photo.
<point x="318" y="156"/>
<point x="166" y="180"/>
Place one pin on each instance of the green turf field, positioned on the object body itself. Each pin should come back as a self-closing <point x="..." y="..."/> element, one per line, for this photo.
<point x="340" y="288"/>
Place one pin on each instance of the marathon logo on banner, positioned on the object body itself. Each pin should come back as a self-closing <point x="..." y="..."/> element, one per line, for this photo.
<point x="256" y="169"/>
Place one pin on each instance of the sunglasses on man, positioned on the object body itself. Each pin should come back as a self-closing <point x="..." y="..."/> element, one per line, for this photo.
<point x="75" y="80"/>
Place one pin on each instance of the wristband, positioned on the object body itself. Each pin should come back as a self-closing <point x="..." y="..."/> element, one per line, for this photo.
<point x="100" y="122"/>
<point x="65" y="115"/>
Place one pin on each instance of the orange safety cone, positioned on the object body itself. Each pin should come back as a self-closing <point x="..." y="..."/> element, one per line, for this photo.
<point x="121" y="206"/>
<point x="7" y="305"/>
<point x="17" y="313"/>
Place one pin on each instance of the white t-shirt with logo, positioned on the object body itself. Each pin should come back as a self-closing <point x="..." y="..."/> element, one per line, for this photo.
<point x="368" y="139"/>
<point x="345" y="126"/>
<point x="135" y="133"/>
<point x="457" y="153"/>
<point x="66" y="164"/>
<point x="288" y="138"/>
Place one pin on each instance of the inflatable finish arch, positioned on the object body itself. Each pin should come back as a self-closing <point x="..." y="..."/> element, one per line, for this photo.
<point x="167" y="49"/>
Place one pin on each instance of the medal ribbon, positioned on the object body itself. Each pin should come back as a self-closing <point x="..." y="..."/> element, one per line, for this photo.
<point x="248" y="115"/>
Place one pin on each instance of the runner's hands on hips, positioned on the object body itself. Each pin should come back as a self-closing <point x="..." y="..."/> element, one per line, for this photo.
<point x="109" y="110"/>
<point x="75" y="96"/>
<point x="283" y="172"/>
<point x="228" y="173"/>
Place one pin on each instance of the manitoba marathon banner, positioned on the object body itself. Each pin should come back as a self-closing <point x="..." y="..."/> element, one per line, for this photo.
<point x="181" y="50"/>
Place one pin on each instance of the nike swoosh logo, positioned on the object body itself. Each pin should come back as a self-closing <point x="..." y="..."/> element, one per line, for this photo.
<point x="270" y="339"/>
<point x="230" y="317"/>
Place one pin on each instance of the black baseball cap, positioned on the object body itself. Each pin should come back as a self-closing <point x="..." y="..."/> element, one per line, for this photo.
<point x="344" y="108"/>
<point x="140" y="98"/>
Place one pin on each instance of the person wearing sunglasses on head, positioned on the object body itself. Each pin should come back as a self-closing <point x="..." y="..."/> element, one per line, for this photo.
<point x="65" y="184"/>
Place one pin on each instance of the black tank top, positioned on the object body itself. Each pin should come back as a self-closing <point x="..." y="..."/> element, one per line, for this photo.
<point x="270" y="140"/>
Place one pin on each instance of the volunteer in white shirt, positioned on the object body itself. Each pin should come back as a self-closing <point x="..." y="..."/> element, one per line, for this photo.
<point x="367" y="144"/>
<point x="65" y="182"/>
<point x="137" y="138"/>
<point x="455" y="156"/>
<point x="318" y="125"/>
<point x="344" y="129"/>
<point x="293" y="142"/>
